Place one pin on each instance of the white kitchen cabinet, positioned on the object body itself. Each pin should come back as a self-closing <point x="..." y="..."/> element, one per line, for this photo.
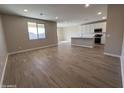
<point x="98" y="25"/>
<point x="82" y="30"/>
<point x="88" y="30"/>
<point x="91" y="28"/>
<point x="104" y="32"/>
<point x="103" y="39"/>
<point x="104" y="26"/>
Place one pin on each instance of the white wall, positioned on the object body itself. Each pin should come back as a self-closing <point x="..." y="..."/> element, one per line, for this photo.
<point x="73" y="31"/>
<point x="60" y="34"/>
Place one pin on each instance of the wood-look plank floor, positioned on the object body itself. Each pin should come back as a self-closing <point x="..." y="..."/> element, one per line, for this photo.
<point x="64" y="66"/>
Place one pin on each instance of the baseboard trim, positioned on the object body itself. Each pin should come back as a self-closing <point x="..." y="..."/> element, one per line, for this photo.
<point x="26" y="50"/>
<point x="113" y="55"/>
<point x="3" y="73"/>
<point x="82" y="46"/>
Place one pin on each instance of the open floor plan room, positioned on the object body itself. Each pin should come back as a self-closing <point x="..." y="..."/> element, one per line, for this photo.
<point x="61" y="46"/>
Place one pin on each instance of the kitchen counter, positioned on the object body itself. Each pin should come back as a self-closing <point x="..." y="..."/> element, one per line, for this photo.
<point x="82" y="37"/>
<point x="83" y="41"/>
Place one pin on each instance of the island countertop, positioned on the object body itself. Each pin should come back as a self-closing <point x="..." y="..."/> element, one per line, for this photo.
<point x="83" y="41"/>
<point x="82" y="37"/>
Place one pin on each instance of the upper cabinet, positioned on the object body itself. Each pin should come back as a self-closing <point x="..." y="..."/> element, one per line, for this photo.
<point x="92" y="28"/>
<point x="89" y="28"/>
<point x="100" y="25"/>
<point x="104" y="26"/>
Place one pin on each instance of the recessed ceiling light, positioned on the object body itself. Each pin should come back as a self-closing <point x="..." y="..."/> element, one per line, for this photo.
<point x="25" y="10"/>
<point x="56" y="17"/>
<point x="87" y="5"/>
<point x="99" y="13"/>
<point x="104" y="17"/>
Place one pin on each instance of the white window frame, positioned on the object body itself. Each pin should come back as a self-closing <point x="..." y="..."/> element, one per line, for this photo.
<point x="37" y="31"/>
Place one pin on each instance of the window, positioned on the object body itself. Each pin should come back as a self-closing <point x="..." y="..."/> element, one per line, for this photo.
<point x="36" y="31"/>
<point x="41" y="30"/>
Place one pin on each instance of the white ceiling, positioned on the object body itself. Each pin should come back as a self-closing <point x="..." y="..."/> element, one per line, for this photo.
<point x="68" y="14"/>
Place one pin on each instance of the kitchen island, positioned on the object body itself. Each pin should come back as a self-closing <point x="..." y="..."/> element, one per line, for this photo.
<point x="83" y="41"/>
